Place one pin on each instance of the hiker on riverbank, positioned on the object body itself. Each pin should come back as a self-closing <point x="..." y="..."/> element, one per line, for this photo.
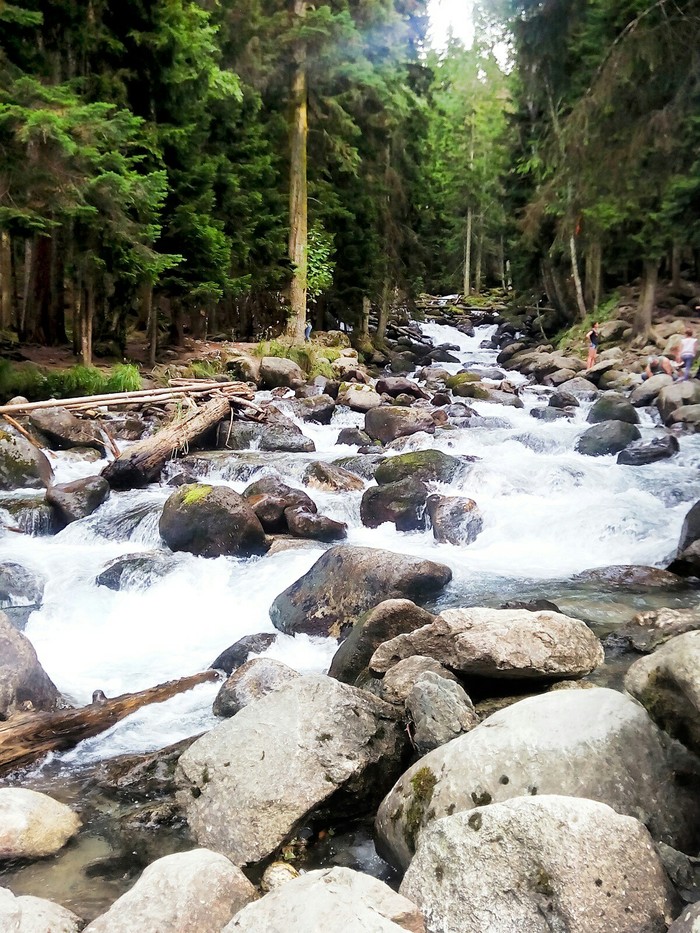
<point x="593" y="341"/>
<point x="688" y="351"/>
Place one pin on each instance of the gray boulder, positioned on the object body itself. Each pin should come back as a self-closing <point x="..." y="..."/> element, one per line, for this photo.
<point x="250" y="782"/>
<point x="78" y="499"/>
<point x="181" y="893"/>
<point x="429" y="466"/>
<point x="610" y="437"/>
<point x="640" y="453"/>
<point x="329" y="478"/>
<point x="398" y="682"/>
<point x="360" y="398"/>
<point x="276" y="371"/>
<point x="20" y="587"/>
<point x="251" y="681"/>
<point x="347" y="581"/>
<point x="240" y="435"/>
<point x="612" y="407"/>
<point x="273" y="486"/>
<point x="690" y="532"/>
<point x="688" y="922"/>
<point x="562" y="399"/>
<point x="23" y="681"/>
<point x="676" y="396"/>
<point x="402" y="504"/>
<point x="388" y="422"/>
<point x="455" y="519"/>
<point x="399" y="385"/>
<point x="540" y="864"/>
<point x="499" y="643"/>
<point x="580" y="388"/>
<point x="580" y="743"/>
<point x="238" y="653"/>
<point x="646" y="393"/>
<point x="33" y="825"/>
<point x="649" y="630"/>
<point x="135" y="571"/>
<point x="688" y="416"/>
<point x="35" y="915"/>
<point x="440" y="710"/>
<point x="65" y="430"/>
<point x="303" y="524"/>
<point x="22" y="466"/>
<point x="317" y="408"/>
<point x="210" y="521"/>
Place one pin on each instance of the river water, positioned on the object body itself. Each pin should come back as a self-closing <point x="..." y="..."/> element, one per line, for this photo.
<point x="549" y="513"/>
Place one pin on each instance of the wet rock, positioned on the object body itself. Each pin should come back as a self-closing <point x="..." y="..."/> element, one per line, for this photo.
<point x="275" y="371"/>
<point x="249" y="782"/>
<point x="135" y="571"/>
<point x="284" y="543"/>
<point x="330" y="899"/>
<point x="390" y="618"/>
<point x="399" y="385"/>
<point x="35" y="915"/>
<point x="362" y="466"/>
<point x="303" y="524"/>
<point x="20" y="586"/>
<point x="612" y="407"/>
<point x="23" y="681"/>
<point x="269" y="511"/>
<point x="688" y="922"/>
<point x="688" y="416"/>
<point x="210" y="521"/>
<point x="648" y="630"/>
<point x="397" y="683"/>
<point x="579" y="743"/>
<point x="276" y="874"/>
<point x="128" y="427"/>
<point x="347" y="581"/>
<point x="610" y="437"/>
<point x="32" y="515"/>
<point x="455" y="519"/>
<point x="676" y="396"/>
<point x="548" y="414"/>
<point x="667" y="683"/>
<point x="197" y="890"/>
<point x="425" y="465"/>
<point x="683" y="871"/>
<point x="580" y="388"/>
<point x="687" y="562"/>
<point x="329" y="478"/>
<point x="440" y="710"/>
<point x="353" y="437"/>
<point x="238" y="653"/>
<point x="388" y="422"/>
<point x="22" y="466"/>
<point x="647" y="392"/>
<point x="65" y="430"/>
<point x="360" y="398"/>
<point x="640" y="453"/>
<point x="317" y="408"/>
<point x="401" y="503"/>
<point x="250" y="682"/>
<point x="78" y="499"/>
<point x="575" y="865"/>
<point x="240" y="435"/>
<point x="562" y="399"/>
<point x="33" y="825"/>
<point x="499" y="643"/>
<point x="273" y="486"/>
<point x="631" y="576"/>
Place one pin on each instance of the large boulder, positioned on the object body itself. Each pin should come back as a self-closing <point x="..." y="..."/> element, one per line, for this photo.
<point x="239" y="652"/>
<point x="690" y="532"/>
<point x="580" y="388"/>
<point x="360" y="398"/>
<point x="29" y="914"/>
<point x="329" y="478"/>
<point x="640" y="453"/>
<point x="390" y="618"/>
<point x="135" y="571"/>
<point x="609" y="437"/>
<point x="33" y="825"/>
<point x="676" y="396"/>
<point x="249" y="782"/>
<point x="276" y="371"/>
<point x="65" y="430"/>
<point x="303" y="524"/>
<point x="210" y="521"/>
<point x="388" y="422"/>
<point x="612" y="407"/>
<point x="401" y="503"/>
<point x="538" y="864"/>
<point x="241" y="435"/>
<point x="273" y="486"/>
<point x="316" y="408"/>
<point x="645" y="393"/>
<point x="667" y="683"/>
<point x="181" y="893"/>
<point x="78" y="499"/>
<point x="425" y="465"/>
<point x="440" y="710"/>
<point x="22" y="466"/>
<point x="501" y="643"/>
<point x="23" y="681"/>
<point x="455" y="519"/>
<point x="347" y="581"/>
<point x="580" y="743"/>
<point x="688" y="416"/>
<point x="399" y="385"/>
<point x="251" y="681"/>
<point x="330" y="899"/>
<point x="397" y="684"/>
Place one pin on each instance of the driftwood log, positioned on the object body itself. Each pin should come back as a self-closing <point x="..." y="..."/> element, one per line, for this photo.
<point x="26" y="737"/>
<point x="142" y="463"/>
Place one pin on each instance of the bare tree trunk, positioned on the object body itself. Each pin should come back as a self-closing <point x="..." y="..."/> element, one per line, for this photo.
<point x="479" y="255"/>
<point x="645" y="309"/>
<point x="383" y="318"/>
<point x="466" y="286"/>
<point x="86" y="318"/>
<point x="298" y="221"/>
<point x="676" y="254"/>
<point x="502" y="265"/>
<point x="577" y="277"/>
<point x="5" y="280"/>
<point x="150" y="314"/>
<point x="364" y="321"/>
<point x="593" y="275"/>
<point x="43" y="327"/>
<point x="27" y="294"/>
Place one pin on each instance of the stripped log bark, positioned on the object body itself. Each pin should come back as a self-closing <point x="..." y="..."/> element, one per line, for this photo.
<point x="142" y="463"/>
<point x="26" y="737"/>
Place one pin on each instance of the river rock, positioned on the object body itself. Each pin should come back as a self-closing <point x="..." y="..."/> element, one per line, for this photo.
<point x="241" y="435"/>
<point x="135" y="571"/>
<point x="23" y="681"/>
<point x="65" y="430"/>
<point x="250" y="781"/>
<point x="675" y="396"/>
<point x="360" y="398"/>
<point x="648" y="630"/>
<point x="390" y="618"/>
<point x="245" y="368"/>
<point x="317" y="408"/>
<point x="640" y="453"/>
<point x="347" y="581"/>
<point x="612" y="407"/>
<point x="429" y="466"/>
<point x="455" y="519"/>
<point x="540" y="864"/>
<point x="269" y="510"/>
<point x="688" y="922"/>
<point x="388" y="422"/>
<point x="610" y="437"/>
<point x="251" y="681"/>
<point x="579" y="743"/>
<point x="399" y="385"/>
<point x="273" y="486"/>
<point x="646" y="393"/>
<point x="629" y="576"/>
<point x="238" y="653"/>
<point x="210" y="521"/>
<point x="363" y="465"/>
<point x="687" y="562"/>
<point x="440" y="711"/>
<point x="329" y="478"/>
<point x="20" y="586"/>
<point x="401" y="503"/>
<point x="186" y="892"/>
<point x="303" y="524"/>
<point x="35" y="915"/>
<point x="276" y="874"/>
<point x="667" y="683"/>
<point x="688" y="416"/>
<point x="75" y="500"/>
<point x="276" y="371"/>
<point x="33" y="825"/>
<point x="22" y="466"/>
<point x="398" y="682"/>
<point x="580" y="388"/>
<point x="353" y="437"/>
<point x="500" y="643"/>
<point x="330" y="899"/>
<point x="562" y="399"/>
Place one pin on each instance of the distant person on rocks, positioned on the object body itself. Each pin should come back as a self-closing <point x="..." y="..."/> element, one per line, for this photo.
<point x="689" y="349"/>
<point x="593" y="341"/>
<point x="307" y="331"/>
<point x="658" y="365"/>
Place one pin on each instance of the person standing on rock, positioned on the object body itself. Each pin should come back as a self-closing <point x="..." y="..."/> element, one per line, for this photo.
<point x="689" y="349"/>
<point x="593" y="341"/>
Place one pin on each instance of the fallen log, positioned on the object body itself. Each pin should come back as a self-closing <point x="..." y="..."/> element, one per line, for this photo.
<point x="28" y="736"/>
<point x="142" y="463"/>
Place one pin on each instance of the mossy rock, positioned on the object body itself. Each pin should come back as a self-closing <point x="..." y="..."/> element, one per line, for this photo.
<point x="22" y="466"/>
<point x="471" y="390"/>
<point x="425" y="465"/>
<point x="461" y="379"/>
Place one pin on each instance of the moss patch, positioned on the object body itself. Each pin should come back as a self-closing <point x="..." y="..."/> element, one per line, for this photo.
<point x="461" y="379"/>
<point x="423" y="783"/>
<point x="196" y="493"/>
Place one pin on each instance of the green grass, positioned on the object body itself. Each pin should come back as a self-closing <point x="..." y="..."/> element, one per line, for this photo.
<point x="312" y="359"/>
<point x="37" y="384"/>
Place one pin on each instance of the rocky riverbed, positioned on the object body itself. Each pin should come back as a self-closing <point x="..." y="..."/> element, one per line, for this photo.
<point x="454" y="608"/>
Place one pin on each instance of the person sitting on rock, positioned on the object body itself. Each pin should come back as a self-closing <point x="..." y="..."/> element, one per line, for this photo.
<point x="656" y="366"/>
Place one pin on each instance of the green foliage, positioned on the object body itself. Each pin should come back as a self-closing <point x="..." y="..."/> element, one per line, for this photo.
<point x="37" y="384"/>
<point x="319" y="277"/>
<point x="312" y="359"/>
<point x="123" y="378"/>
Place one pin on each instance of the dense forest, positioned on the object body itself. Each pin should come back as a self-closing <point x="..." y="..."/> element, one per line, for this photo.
<point x="216" y="167"/>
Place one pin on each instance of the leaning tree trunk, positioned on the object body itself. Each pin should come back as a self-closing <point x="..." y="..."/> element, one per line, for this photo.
<point x="383" y="316"/>
<point x="645" y="309"/>
<point x="594" y="262"/>
<point x="298" y="222"/>
<point x="364" y="320"/>
<point x="5" y="281"/>
<point x="581" y="304"/>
